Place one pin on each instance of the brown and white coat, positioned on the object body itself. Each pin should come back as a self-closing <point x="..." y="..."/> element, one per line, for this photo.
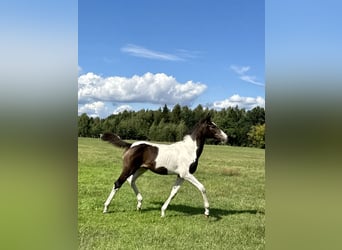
<point x="180" y="158"/>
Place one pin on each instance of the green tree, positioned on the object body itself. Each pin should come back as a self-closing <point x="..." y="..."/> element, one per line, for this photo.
<point x="84" y="125"/>
<point x="256" y="136"/>
<point x="176" y="114"/>
<point x="181" y="130"/>
<point x="256" y="116"/>
<point x="169" y="132"/>
<point x="188" y="117"/>
<point x="157" y="115"/>
<point x="160" y="131"/>
<point x="152" y="134"/>
<point x="244" y="128"/>
<point x="166" y="113"/>
<point x="198" y="112"/>
<point x="96" y="128"/>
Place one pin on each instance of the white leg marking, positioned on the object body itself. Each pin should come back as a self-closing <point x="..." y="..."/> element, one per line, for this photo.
<point x="192" y="179"/>
<point x="131" y="180"/>
<point x="139" y="199"/>
<point x="109" y="199"/>
<point x="174" y="190"/>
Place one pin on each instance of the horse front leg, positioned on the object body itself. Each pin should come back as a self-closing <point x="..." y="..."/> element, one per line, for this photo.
<point x="174" y="191"/>
<point x="192" y="179"/>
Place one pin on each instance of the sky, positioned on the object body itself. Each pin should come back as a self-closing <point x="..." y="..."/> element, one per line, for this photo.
<point x="135" y="55"/>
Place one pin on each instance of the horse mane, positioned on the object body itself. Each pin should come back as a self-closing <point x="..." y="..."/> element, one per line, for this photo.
<point x="194" y="130"/>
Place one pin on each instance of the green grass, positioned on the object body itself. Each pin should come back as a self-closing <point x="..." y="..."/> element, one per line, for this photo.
<point x="234" y="178"/>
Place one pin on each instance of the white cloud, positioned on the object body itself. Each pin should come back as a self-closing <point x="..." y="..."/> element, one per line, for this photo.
<point x="240" y="101"/>
<point x="121" y="109"/>
<point x="152" y="88"/>
<point x="79" y="68"/>
<point x="188" y="54"/>
<point x="241" y="70"/>
<point x="251" y="79"/>
<point x="139" y="51"/>
<point x="94" y="109"/>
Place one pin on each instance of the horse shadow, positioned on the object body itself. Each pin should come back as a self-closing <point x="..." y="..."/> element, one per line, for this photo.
<point x="216" y="214"/>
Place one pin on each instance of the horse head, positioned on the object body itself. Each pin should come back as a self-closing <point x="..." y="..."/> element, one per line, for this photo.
<point x="210" y="130"/>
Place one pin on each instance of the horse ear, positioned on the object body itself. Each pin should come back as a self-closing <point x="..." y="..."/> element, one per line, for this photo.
<point x="208" y="117"/>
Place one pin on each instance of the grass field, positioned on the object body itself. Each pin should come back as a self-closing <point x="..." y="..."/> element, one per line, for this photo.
<point x="234" y="178"/>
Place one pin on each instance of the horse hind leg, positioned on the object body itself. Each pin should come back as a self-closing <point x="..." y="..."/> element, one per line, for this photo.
<point x="109" y="199"/>
<point x="131" y="180"/>
<point x="123" y="177"/>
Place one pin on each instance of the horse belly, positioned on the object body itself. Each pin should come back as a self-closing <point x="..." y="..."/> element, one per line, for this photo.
<point x="167" y="160"/>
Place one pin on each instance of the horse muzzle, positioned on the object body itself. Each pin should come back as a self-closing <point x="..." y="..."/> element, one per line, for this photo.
<point x="223" y="137"/>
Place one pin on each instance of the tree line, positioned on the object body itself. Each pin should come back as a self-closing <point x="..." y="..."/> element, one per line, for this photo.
<point x="244" y="128"/>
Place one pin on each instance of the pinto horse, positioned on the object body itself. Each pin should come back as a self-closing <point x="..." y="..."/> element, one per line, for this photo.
<point x="180" y="158"/>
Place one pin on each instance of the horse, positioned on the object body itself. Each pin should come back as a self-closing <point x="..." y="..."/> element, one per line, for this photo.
<point x="180" y="158"/>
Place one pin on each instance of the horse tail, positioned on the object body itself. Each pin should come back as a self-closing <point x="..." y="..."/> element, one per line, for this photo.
<point x="115" y="140"/>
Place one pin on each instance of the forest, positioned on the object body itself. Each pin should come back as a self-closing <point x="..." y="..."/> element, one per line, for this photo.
<point x="244" y="128"/>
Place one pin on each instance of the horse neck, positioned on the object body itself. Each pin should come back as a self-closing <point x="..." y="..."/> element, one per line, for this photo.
<point x="199" y="137"/>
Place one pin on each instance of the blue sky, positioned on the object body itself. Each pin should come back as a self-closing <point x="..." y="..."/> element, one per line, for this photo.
<point x="144" y="54"/>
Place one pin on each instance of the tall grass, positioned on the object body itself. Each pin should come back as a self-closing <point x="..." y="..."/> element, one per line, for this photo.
<point x="235" y="181"/>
